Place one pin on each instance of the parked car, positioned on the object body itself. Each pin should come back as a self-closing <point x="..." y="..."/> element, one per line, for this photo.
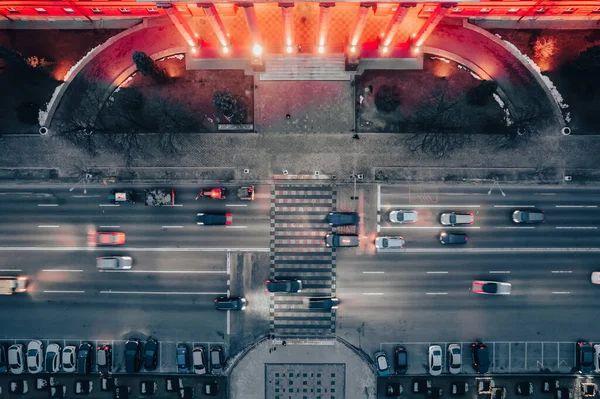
<point x="529" y="216"/>
<point x="16" y="359"/>
<point x="133" y="355"/>
<point x="341" y="240"/>
<point x="199" y="360"/>
<point x="453" y="238"/>
<point x="454" y="358"/>
<point x="230" y="303"/>
<point x="214" y="219"/>
<point x="3" y="359"/>
<point x="337" y="219"/>
<point x="401" y="360"/>
<point x="52" y="361"/>
<point x="456" y="218"/>
<point x="284" y="285"/>
<point x="389" y="242"/>
<point x="151" y="354"/>
<point x="104" y="357"/>
<point x="211" y="388"/>
<point x="324" y="303"/>
<point x="381" y="363"/>
<point x="110" y="238"/>
<point x="585" y="357"/>
<point x="69" y="356"/>
<point x="35" y="353"/>
<point x="217" y="359"/>
<point x="491" y="287"/>
<point x="435" y="360"/>
<point x="183" y="362"/>
<point x="114" y="262"/>
<point x="481" y="357"/>
<point x="84" y="358"/>
<point x="403" y="216"/>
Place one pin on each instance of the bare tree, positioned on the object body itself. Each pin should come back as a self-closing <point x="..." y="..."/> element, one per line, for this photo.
<point x="519" y="127"/>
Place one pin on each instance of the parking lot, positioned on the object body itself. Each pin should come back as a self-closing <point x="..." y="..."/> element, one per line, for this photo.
<point x="505" y="357"/>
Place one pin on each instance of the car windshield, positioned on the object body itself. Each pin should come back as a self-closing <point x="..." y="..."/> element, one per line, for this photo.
<point x="385" y="242"/>
<point x="588" y="357"/>
<point x="101" y="357"/>
<point x="452" y="219"/>
<point x="490" y="288"/>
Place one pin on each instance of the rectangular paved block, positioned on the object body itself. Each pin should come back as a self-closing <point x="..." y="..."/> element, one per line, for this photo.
<point x="501" y="357"/>
<point x="535" y="357"/>
<point x="566" y="357"/>
<point x="298" y="381"/>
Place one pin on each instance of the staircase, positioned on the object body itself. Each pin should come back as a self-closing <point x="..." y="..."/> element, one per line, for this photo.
<point x="305" y="67"/>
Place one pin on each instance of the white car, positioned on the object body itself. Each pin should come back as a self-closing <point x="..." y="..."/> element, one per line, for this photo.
<point x="595" y="277"/>
<point x="402" y="216"/>
<point x="199" y="360"/>
<point x="454" y="358"/>
<point x="597" y="358"/>
<point x="52" y="358"/>
<point x="435" y="360"/>
<point x="456" y="218"/>
<point x="114" y="262"/>
<point x="35" y="353"/>
<point x="16" y="359"/>
<point x="389" y="242"/>
<point x="69" y="355"/>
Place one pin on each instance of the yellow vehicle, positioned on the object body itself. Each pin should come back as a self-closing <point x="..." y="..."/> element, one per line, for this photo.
<point x="12" y="284"/>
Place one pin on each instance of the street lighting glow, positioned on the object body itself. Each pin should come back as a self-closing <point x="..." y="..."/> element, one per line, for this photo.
<point x="353" y="49"/>
<point x="191" y="43"/>
<point x="289" y="49"/>
<point x="384" y="49"/>
<point x="321" y="49"/>
<point x="225" y="49"/>
<point x="257" y="49"/>
<point x="194" y="50"/>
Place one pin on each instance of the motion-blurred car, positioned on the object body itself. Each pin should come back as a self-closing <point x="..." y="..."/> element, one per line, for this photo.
<point x="151" y="354"/>
<point x="403" y="216"/>
<point x="491" y="287"/>
<point x="199" y="360"/>
<point x="341" y="240"/>
<point x="530" y="216"/>
<point x="389" y="242"/>
<point x="104" y="357"/>
<point x="401" y="360"/>
<point x="435" y="360"/>
<point x="16" y="359"/>
<point x="114" y="262"/>
<point x="284" y="285"/>
<point x="456" y="218"/>
<point x="69" y="356"/>
<point x="383" y="367"/>
<point x="133" y="355"/>
<point x="84" y="358"/>
<point x="324" y="303"/>
<point x="35" y="352"/>
<point x="454" y="358"/>
<point x="453" y="238"/>
<point x="182" y="357"/>
<point x="52" y="361"/>
<point x="337" y="219"/>
<point x="481" y="357"/>
<point x="585" y="357"/>
<point x="595" y="277"/>
<point x="213" y="219"/>
<point x="110" y="238"/>
<point x="230" y="303"/>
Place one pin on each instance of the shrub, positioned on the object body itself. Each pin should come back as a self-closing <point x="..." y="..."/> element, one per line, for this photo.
<point x="387" y="99"/>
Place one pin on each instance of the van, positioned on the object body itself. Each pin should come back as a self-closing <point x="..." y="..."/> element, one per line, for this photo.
<point x="12" y="284"/>
<point x="341" y="240"/>
<point x="454" y="218"/>
<point x="114" y="262"/>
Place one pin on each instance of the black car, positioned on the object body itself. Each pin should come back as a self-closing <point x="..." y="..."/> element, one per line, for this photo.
<point x="183" y="359"/>
<point x="216" y="358"/>
<point x="133" y="356"/>
<point x="284" y="285"/>
<point x="341" y="240"/>
<point x="3" y="360"/>
<point x="104" y="357"/>
<point x="529" y="216"/>
<point x="453" y="238"/>
<point x="401" y="360"/>
<point x="324" y="303"/>
<point x="481" y="357"/>
<point x="343" y="219"/>
<point x="151" y="354"/>
<point x="84" y="358"/>
<point x="585" y="357"/>
<point x="230" y="303"/>
<point x="214" y="219"/>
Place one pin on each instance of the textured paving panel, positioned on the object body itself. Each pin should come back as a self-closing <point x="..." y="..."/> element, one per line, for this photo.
<point x="303" y="381"/>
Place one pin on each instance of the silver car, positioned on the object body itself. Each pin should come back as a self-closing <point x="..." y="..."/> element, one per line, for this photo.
<point x="53" y="358"/>
<point x="403" y="216"/>
<point x="199" y="360"/>
<point x="35" y="353"/>
<point x="68" y="359"/>
<point x="114" y="262"/>
<point x="389" y="242"/>
<point x="454" y="358"/>
<point x="435" y="360"/>
<point x="491" y="287"/>
<point x="456" y="218"/>
<point x="16" y="359"/>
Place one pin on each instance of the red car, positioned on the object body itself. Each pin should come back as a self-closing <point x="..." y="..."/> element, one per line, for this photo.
<point x="109" y="238"/>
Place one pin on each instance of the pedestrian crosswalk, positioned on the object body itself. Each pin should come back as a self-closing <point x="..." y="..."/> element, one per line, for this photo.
<point x="298" y="228"/>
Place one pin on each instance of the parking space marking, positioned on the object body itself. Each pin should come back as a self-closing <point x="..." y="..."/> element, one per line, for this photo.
<point x="228" y="322"/>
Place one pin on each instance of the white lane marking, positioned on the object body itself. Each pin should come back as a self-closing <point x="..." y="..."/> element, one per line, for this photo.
<point x="11" y="270"/>
<point x="48" y="226"/>
<point x="160" y="292"/>
<point x="437" y="293"/>
<point x="544" y="193"/>
<point x="373" y="272"/>
<point x="236" y="227"/>
<point x="228" y="322"/>
<point x="576" y="206"/>
<point x="228" y="263"/>
<point x="137" y="249"/>
<point x="437" y="272"/>
<point x="499" y="272"/>
<point x="515" y="227"/>
<point x="47" y="204"/>
<point x="84" y="196"/>
<point x="576" y="227"/>
<point x="63" y="270"/>
<point x="177" y="205"/>
<point x="562" y="292"/>
<point x="431" y="227"/>
<point x="109" y="205"/>
<point x="62" y="292"/>
<point x="172" y="227"/>
<point x="378" y="198"/>
<point x="236" y="204"/>
<point x="110" y="227"/>
<point x="463" y="194"/>
<point x="514" y="206"/>
<point x="562" y="271"/>
<point x="372" y="293"/>
<point x="412" y="206"/>
<point x="166" y="271"/>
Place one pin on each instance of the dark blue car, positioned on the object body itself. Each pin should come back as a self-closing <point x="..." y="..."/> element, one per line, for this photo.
<point x="343" y="219"/>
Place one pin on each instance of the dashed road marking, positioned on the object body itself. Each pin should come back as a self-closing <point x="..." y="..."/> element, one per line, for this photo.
<point x="49" y="226"/>
<point x="172" y="227"/>
<point x="159" y="292"/>
<point x="63" y="270"/>
<point x="514" y="206"/>
<point x="236" y="227"/>
<point x="499" y="272"/>
<point x="166" y="271"/>
<point x="47" y="204"/>
<point x="437" y="293"/>
<point x="413" y="206"/>
<point x="437" y="272"/>
<point x="576" y="206"/>
<point x="236" y="204"/>
<point x="62" y="292"/>
<point x="109" y="205"/>
<point x="561" y="292"/>
<point x="373" y="293"/>
<point x="576" y="227"/>
<point x="432" y="227"/>
<point x="373" y="272"/>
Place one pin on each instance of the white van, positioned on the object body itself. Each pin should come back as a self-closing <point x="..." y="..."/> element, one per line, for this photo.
<point x="454" y="218"/>
<point x="12" y="284"/>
